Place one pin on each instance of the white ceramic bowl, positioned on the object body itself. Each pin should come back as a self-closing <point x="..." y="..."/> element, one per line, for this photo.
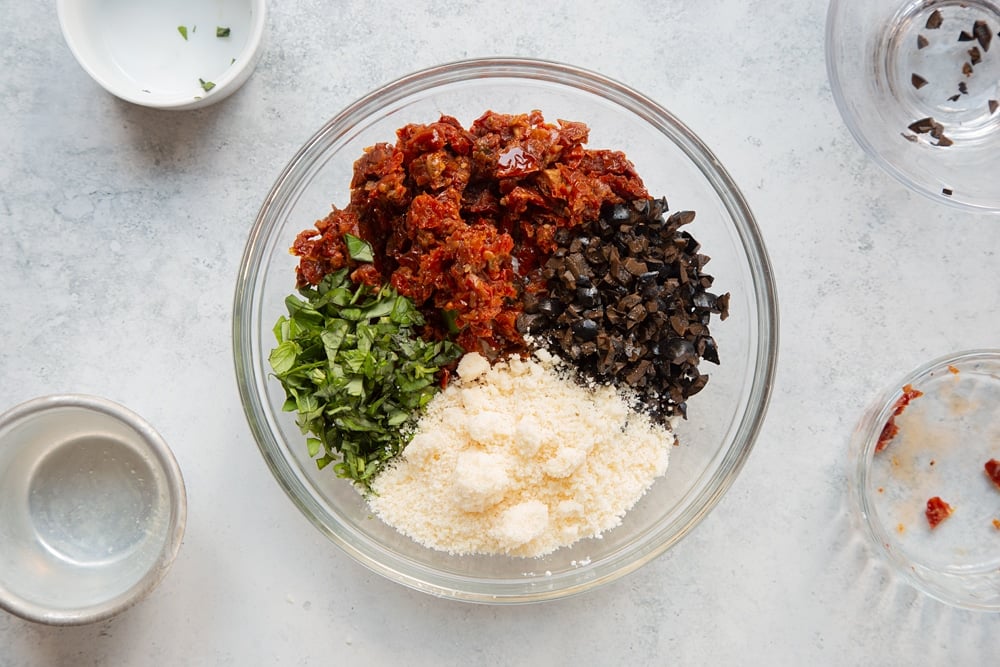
<point x="167" y="54"/>
<point x="92" y="509"/>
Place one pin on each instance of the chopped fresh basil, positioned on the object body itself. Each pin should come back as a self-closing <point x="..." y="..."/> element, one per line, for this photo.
<point x="355" y="370"/>
<point x="221" y="32"/>
<point x="206" y="85"/>
<point x="359" y="249"/>
<point x="450" y="318"/>
<point x="182" y="29"/>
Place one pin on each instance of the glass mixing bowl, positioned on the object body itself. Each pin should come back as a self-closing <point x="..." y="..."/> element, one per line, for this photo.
<point x="724" y="419"/>
<point x="919" y="88"/>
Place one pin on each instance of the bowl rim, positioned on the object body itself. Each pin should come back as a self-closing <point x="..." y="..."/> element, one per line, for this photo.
<point x="174" y="532"/>
<point x="832" y="46"/>
<point x="862" y="444"/>
<point x="764" y="359"/>
<point x="225" y="85"/>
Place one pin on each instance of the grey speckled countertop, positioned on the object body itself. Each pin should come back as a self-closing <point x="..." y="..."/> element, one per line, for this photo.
<point x="121" y="229"/>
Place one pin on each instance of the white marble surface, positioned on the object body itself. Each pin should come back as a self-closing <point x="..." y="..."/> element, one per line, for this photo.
<point x="120" y="233"/>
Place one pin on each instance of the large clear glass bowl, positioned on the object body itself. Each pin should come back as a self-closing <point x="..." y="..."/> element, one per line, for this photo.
<point x="724" y="419"/>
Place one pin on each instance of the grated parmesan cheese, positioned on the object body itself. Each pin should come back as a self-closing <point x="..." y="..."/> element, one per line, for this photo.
<point x="519" y="459"/>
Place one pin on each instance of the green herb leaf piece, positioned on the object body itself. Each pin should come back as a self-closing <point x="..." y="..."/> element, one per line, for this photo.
<point x="182" y="29"/>
<point x="221" y="32"/>
<point x="282" y="358"/>
<point x="355" y="371"/>
<point x="450" y="318"/>
<point x="314" y="445"/>
<point x="358" y="249"/>
<point x="206" y="85"/>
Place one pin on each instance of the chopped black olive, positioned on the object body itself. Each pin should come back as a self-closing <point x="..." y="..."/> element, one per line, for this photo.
<point x="922" y="42"/>
<point x="619" y="213"/>
<point x="679" y="350"/>
<point x="975" y="57"/>
<point x="965" y="36"/>
<point x="625" y="299"/>
<point x="981" y="30"/>
<point x="934" y="20"/>
<point x="709" y="352"/>
<point x="922" y="126"/>
<point x="588" y="297"/>
<point x="704" y="300"/>
<point x="585" y="330"/>
<point x="549" y="307"/>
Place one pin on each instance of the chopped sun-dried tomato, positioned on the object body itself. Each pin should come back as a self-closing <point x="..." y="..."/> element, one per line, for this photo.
<point x="889" y="432"/>
<point x="444" y="209"/>
<point x="891" y="429"/>
<point x="937" y="511"/>
<point x="992" y="468"/>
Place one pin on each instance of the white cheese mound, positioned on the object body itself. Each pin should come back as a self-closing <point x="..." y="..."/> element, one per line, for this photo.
<point x="519" y="459"/>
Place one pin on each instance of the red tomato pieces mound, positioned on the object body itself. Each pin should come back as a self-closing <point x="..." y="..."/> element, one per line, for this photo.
<point x="937" y="511"/>
<point x="460" y="219"/>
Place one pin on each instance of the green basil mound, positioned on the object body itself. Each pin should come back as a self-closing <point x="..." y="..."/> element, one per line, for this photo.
<point x="357" y="373"/>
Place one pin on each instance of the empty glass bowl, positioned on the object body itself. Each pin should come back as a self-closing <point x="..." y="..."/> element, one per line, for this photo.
<point x="92" y="509"/>
<point x="724" y="418"/>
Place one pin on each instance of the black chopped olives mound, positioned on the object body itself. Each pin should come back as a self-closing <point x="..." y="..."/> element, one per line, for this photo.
<point x="626" y="300"/>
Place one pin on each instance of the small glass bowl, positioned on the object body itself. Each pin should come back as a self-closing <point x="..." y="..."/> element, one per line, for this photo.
<point x="724" y="418"/>
<point x="945" y="437"/>
<point x="92" y="509"/>
<point x="922" y="101"/>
